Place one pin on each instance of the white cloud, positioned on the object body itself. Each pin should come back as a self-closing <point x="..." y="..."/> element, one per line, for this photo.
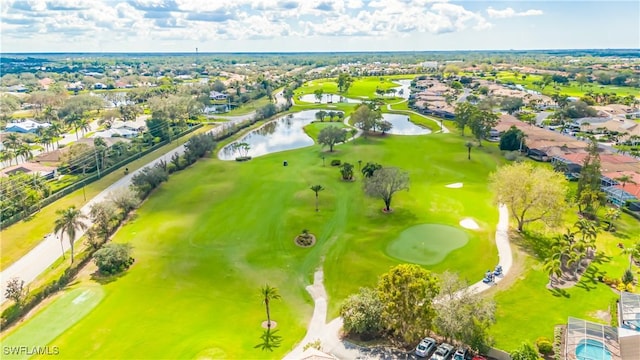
<point x="509" y="12"/>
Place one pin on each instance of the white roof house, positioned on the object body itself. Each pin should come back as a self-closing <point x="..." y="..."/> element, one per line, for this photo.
<point x="25" y="127"/>
<point x="122" y="132"/>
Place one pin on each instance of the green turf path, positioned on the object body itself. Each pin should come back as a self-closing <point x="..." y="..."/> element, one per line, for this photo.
<point x="55" y="319"/>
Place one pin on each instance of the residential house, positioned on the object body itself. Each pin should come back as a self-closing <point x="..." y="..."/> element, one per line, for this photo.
<point x="25" y="127"/>
<point x="45" y="83"/>
<point x="99" y="86"/>
<point x="75" y="86"/>
<point x="48" y="172"/>
<point x="116" y="133"/>
<point x="17" y="88"/>
<point x="215" y="95"/>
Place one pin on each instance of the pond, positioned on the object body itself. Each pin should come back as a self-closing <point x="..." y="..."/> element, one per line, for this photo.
<point x="328" y="99"/>
<point x="284" y="133"/>
<point x="405" y="88"/>
<point x="402" y="125"/>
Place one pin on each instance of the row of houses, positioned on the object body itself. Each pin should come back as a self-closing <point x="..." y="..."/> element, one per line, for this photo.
<point x="551" y="146"/>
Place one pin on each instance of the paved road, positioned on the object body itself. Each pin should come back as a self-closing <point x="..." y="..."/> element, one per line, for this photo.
<point x="41" y="257"/>
<point x="329" y="333"/>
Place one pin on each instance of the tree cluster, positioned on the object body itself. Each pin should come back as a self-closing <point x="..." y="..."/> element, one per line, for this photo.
<point x="410" y="302"/>
<point x="480" y="121"/>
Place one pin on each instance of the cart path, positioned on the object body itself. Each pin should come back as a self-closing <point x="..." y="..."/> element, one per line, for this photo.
<point x="329" y="333"/>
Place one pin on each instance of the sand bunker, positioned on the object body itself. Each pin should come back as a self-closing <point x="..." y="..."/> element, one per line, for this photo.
<point x="454" y="185"/>
<point x="469" y="223"/>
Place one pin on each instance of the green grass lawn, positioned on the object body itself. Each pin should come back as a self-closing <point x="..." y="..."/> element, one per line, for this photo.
<point x="248" y="107"/>
<point x="314" y="128"/>
<point x="528" y="310"/>
<point x="572" y="89"/>
<point x="19" y="238"/>
<point x="362" y="87"/>
<point x="203" y="251"/>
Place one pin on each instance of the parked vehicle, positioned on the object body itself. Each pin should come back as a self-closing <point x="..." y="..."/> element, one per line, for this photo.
<point x="462" y="354"/>
<point x="443" y="352"/>
<point x="426" y="347"/>
<point x="479" y="357"/>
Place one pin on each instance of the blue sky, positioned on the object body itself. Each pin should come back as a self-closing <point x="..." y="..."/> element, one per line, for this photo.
<point x="318" y="25"/>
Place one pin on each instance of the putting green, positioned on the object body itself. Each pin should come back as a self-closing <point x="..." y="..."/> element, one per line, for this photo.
<point x="55" y="319"/>
<point x="426" y="244"/>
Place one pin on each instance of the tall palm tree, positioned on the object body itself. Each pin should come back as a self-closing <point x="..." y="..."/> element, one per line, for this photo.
<point x="83" y="125"/>
<point x="268" y="293"/>
<point x="317" y="189"/>
<point x="588" y="232"/>
<point x="56" y="130"/>
<point x="68" y="222"/>
<point x="469" y="145"/>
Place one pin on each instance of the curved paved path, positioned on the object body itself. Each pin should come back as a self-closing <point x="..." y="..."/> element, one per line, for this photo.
<point x="329" y="333"/>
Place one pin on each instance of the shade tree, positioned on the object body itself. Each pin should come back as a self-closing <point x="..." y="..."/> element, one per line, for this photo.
<point x="532" y="193"/>
<point x="330" y="136"/>
<point x="385" y="182"/>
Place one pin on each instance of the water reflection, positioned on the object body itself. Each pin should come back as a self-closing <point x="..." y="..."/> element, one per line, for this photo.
<point x="405" y="88"/>
<point x="284" y="133"/>
<point x="402" y="125"/>
<point x="328" y="99"/>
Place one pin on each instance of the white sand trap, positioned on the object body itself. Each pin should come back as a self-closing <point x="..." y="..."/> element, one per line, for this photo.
<point x="454" y="185"/>
<point x="469" y="223"/>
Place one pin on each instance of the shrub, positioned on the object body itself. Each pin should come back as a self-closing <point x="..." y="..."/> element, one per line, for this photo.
<point x="148" y="179"/>
<point x="335" y="162"/>
<point x="362" y="313"/>
<point x="621" y="287"/>
<point x="613" y="310"/>
<point x="627" y="277"/>
<point x="630" y="288"/>
<point x="513" y="156"/>
<point x="171" y="168"/>
<point x="113" y="258"/>
<point x="544" y="346"/>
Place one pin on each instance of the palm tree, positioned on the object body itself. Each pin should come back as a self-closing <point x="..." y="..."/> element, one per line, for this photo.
<point x="611" y="215"/>
<point x="317" y="189"/>
<point x="56" y="131"/>
<point x="268" y="293"/>
<point x="625" y="179"/>
<point x="633" y="252"/>
<point x="72" y="120"/>
<point x="25" y="151"/>
<point x="68" y="222"/>
<point x="553" y="266"/>
<point x="12" y="141"/>
<point x="469" y="145"/>
<point x="84" y="125"/>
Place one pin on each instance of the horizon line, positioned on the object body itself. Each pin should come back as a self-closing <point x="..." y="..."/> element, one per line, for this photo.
<point x="312" y="52"/>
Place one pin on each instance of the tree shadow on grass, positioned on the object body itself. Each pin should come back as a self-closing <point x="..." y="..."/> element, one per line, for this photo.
<point x="590" y="278"/>
<point x="559" y="292"/>
<point x="601" y="258"/>
<point x="620" y="235"/>
<point x="532" y="243"/>
<point x="106" y="279"/>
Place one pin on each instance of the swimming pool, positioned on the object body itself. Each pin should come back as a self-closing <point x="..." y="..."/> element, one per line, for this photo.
<point x="590" y="349"/>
